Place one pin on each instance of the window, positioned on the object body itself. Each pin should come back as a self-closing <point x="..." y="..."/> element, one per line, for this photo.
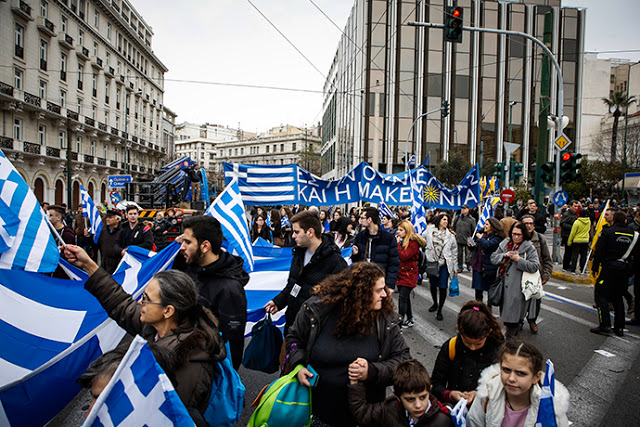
<point x="293" y="146"/>
<point x="93" y="148"/>
<point x="63" y="67"/>
<point x="267" y="148"/>
<point x="281" y="147"/>
<point x="63" y="24"/>
<point x="17" y="129"/>
<point x="117" y="99"/>
<point x="80" y="37"/>
<point x="62" y="138"/>
<point x="115" y="154"/>
<point x="210" y="156"/>
<point x="94" y="110"/>
<point x="19" y="36"/>
<point x="117" y="122"/>
<point x="78" y="144"/>
<point x="202" y="155"/>
<point x="95" y="49"/>
<point x="63" y="98"/>
<point x="94" y="82"/>
<point x="80" y="102"/>
<point x="43" y="8"/>
<point x="18" y="78"/>
<point x="42" y="134"/>
<point x="107" y="58"/>
<point x="96" y="19"/>
<point x="108" y="30"/>
<point x="44" y="47"/>
<point x="105" y="150"/>
<point x="107" y="91"/>
<point x="42" y="89"/>
<point x="119" y="67"/>
<point x="80" y="75"/>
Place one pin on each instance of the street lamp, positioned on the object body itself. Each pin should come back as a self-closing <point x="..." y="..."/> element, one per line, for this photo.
<point x="406" y="149"/>
<point x="511" y="105"/>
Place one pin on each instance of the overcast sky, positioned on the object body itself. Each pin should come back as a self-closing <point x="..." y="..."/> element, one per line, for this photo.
<point x="210" y="46"/>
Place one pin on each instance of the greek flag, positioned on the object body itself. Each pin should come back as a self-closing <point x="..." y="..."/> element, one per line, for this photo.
<point x="418" y="218"/>
<point x="51" y="330"/>
<point x="89" y="209"/>
<point x="139" y="393"/>
<point x="264" y="184"/>
<point x="29" y="245"/>
<point x="268" y="221"/>
<point x="487" y="212"/>
<point x="229" y="210"/>
<point x="284" y="221"/>
<point x="546" y="411"/>
<point x="385" y="211"/>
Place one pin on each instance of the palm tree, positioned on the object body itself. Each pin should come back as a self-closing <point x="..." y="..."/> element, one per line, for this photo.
<point x="617" y="103"/>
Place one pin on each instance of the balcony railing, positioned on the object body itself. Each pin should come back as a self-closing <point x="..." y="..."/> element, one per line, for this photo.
<point x="114" y="131"/>
<point x="124" y="135"/>
<point x="32" y="99"/>
<point x="19" y="51"/>
<point x="6" y="89"/>
<point x="72" y="115"/>
<point x="88" y="158"/>
<point x="89" y="121"/>
<point x="68" y="39"/>
<point x="23" y="9"/>
<point x="6" y="142"/>
<point x="102" y="127"/>
<point x="113" y="163"/>
<point x="74" y="156"/>
<point x="29" y="147"/>
<point x="134" y="168"/>
<point x="54" y="108"/>
<point x="53" y="152"/>
<point x="102" y="162"/>
<point x="134" y="138"/>
<point x="115" y="6"/>
<point x="142" y="168"/>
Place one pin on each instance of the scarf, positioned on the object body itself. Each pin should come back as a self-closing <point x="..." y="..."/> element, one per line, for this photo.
<point x="511" y="246"/>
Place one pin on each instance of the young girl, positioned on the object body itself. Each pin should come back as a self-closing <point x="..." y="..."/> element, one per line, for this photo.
<point x="463" y="357"/>
<point x="509" y="392"/>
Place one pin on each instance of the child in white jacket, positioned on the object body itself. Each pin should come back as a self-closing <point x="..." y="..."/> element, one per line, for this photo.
<point x="508" y="393"/>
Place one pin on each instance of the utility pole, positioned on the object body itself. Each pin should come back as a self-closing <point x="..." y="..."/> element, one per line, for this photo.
<point x="626" y="128"/>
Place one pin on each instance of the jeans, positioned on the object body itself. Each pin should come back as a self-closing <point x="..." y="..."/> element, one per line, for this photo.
<point x="404" y="302"/>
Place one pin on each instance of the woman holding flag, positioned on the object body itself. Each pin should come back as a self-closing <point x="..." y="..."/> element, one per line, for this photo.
<point x="484" y="271"/>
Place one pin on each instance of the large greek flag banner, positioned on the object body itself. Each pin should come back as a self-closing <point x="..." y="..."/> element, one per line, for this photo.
<point x="89" y="210"/>
<point x="24" y="233"/>
<point x="139" y="393"/>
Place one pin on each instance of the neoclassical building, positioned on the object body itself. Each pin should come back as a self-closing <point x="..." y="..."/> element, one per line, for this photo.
<point x="79" y="80"/>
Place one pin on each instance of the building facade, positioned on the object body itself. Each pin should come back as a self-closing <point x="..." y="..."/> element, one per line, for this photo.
<point x="386" y="73"/>
<point x="80" y="81"/>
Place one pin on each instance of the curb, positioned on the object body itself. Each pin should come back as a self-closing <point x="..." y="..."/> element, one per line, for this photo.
<point x="583" y="279"/>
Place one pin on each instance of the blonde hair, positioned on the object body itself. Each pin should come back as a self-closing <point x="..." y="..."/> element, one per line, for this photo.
<point x="410" y="235"/>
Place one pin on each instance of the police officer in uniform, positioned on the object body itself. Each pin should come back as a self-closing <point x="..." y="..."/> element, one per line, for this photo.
<point x="614" y="251"/>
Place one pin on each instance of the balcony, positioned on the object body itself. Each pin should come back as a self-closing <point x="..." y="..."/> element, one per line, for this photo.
<point x="65" y="40"/>
<point x="113" y="163"/>
<point x="54" y="108"/>
<point x="46" y="27"/>
<point x="122" y="165"/>
<point x="22" y="9"/>
<point x="122" y="79"/>
<point x="88" y="159"/>
<point x="83" y="53"/>
<point x="102" y="127"/>
<point x="114" y="131"/>
<point x="72" y="115"/>
<point x="6" y="89"/>
<point x="151" y="145"/>
<point x="81" y="14"/>
<point x="89" y="121"/>
<point x="110" y="72"/>
<point x="31" y="148"/>
<point x="97" y="63"/>
<point x="32" y="99"/>
<point x="102" y="162"/>
<point x="19" y="51"/>
<point x="74" y="156"/>
<point x="53" y="152"/>
<point x="124" y="135"/>
<point x="6" y="142"/>
<point x="154" y="102"/>
<point x="134" y="138"/>
<point x="142" y="168"/>
<point x="139" y="92"/>
<point x="163" y="150"/>
<point x="134" y="168"/>
<point x="115" y="6"/>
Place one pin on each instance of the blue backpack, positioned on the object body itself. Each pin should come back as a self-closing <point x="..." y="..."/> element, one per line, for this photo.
<point x="227" y="395"/>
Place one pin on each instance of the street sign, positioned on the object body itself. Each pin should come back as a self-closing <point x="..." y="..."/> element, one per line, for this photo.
<point x="560" y="198"/>
<point x="118" y="181"/>
<point x="562" y="142"/>
<point x="507" y="195"/>
<point x="115" y="197"/>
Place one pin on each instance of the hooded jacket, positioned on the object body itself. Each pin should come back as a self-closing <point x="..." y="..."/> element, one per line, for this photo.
<point x="408" y="275"/>
<point x="193" y="351"/>
<point x="490" y="387"/>
<point x="580" y="231"/>
<point x="383" y="250"/>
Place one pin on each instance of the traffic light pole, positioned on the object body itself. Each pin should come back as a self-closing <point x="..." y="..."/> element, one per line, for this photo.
<point x="406" y="147"/>
<point x="560" y="108"/>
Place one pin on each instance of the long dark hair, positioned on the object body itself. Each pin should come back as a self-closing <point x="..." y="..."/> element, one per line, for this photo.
<point x="496" y="227"/>
<point x="476" y="321"/>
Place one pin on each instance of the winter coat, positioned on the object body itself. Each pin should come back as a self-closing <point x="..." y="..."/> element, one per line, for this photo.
<point x="488" y="245"/>
<point x="326" y="261"/>
<point x="580" y="231"/>
<point x="568" y="218"/>
<point x="140" y="235"/>
<point x="391" y="413"/>
<point x="159" y="238"/>
<point x="265" y="233"/>
<point x="461" y="373"/>
<point x="544" y="256"/>
<point x="490" y="387"/>
<point x="107" y="244"/>
<point x="193" y="354"/>
<point x="612" y="244"/>
<point x="68" y="235"/>
<point x="514" y="305"/>
<point x="408" y="275"/>
<point x="383" y="251"/>
<point x="465" y="227"/>
<point x="507" y="222"/>
<point x="449" y="252"/>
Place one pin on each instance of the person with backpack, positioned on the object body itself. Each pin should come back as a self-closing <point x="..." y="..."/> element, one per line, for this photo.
<point x="409" y="246"/>
<point x="462" y="358"/>
<point x="484" y="271"/>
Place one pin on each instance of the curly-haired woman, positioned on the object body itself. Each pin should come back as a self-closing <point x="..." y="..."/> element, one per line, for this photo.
<point x="350" y="320"/>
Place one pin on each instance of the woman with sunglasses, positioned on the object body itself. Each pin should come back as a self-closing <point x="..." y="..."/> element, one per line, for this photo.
<point x="167" y="314"/>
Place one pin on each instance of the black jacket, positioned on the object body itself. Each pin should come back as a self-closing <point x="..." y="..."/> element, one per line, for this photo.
<point x="463" y="372"/>
<point x="568" y="218"/>
<point x="107" y="243"/>
<point x="384" y="252"/>
<point x="221" y="289"/>
<point x="612" y="244"/>
<point x="135" y="237"/>
<point x="327" y="260"/>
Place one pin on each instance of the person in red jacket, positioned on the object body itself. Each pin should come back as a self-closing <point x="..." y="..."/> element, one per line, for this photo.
<point x="409" y="246"/>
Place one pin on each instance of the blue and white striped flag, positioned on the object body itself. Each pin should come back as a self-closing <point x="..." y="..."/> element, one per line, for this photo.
<point x="139" y="393"/>
<point x="385" y="211"/>
<point x="418" y="218"/>
<point x="284" y="221"/>
<point x="51" y="330"/>
<point x="89" y="210"/>
<point x="546" y="411"/>
<point x="229" y="210"/>
<point x="33" y="247"/>
<point x="268" y="220"/>
<point x="264" y="185"/>
<point x="9" y="223"/>
<point x="487" y="212"/>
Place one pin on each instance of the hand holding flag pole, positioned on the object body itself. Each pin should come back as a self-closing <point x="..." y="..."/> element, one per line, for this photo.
<point x="55" y="232"/>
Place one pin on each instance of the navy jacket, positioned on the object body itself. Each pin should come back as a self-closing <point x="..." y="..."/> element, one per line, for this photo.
<point x="384" y="252"/>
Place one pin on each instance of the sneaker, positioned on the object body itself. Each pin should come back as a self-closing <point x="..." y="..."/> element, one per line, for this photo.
<point x="409" y="323"/>
<point x="601" y="330"/>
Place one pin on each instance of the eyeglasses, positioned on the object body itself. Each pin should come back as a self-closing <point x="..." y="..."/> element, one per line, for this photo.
<point x="145" y="300"/>
<point x="363" y="217"/>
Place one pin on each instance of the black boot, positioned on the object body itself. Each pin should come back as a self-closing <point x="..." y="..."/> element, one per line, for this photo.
<point x="434" y="297"/>
<point x="443" y="297"/>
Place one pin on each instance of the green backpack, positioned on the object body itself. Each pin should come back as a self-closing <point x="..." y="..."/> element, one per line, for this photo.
<point x="285" y="402"/>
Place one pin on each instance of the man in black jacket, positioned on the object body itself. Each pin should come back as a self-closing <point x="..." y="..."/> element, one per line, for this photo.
<point x="107" y="241"/>
<point x="376" y="245"/>
<point x="315" y="257"/>
<point x="616" y="246"/>
<point x="568" y="218"/>
<point x="133" y="233"/>
<point x="220" y="278"/>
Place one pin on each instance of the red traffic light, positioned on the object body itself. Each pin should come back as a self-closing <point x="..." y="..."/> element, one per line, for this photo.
<point x="567" y="156"/>
<point x="456" y="12"/>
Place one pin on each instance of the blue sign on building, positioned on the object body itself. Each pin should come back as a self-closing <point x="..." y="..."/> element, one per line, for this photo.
<point x="118" y="181"/>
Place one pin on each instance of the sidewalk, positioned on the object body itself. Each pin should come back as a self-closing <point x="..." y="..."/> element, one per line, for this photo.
<point x="560" y="274"/>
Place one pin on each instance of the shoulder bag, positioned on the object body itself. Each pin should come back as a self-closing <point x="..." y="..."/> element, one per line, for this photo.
<point x="496" y="291"/>
<point x="531" y="284"/>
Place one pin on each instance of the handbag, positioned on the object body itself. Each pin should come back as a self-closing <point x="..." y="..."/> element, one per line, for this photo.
<point x="263" y="351"/>
<point x="496" y="291"/>
<point x="433" y="269"/>
<point x="531" y="284"/>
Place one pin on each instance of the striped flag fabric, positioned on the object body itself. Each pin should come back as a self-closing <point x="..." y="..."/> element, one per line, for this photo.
<point x="418" y="218"/>
<point x="385" y="211"/>
<point x="89" y="210"/>
<point x="51" y="330"/>
<point x="284" y="221"/>
<point x="228" y="208"/>
<point x="546" y="410"/>
<point x="9" y="223"/>
<point x="32" y="246"/>
<point x="264" y="184"/>
<point x="487" y="212"/>
<point x="139" y="393"/>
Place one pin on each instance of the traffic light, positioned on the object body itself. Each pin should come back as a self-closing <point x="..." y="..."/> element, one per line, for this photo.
<point x="516" y="169"/>
<point x="499" y="170"/>
<point x="569" y="166"/>
<point x="453" y="24"/>
<point x="445" y="109"/>
<point x="547" y="172"/>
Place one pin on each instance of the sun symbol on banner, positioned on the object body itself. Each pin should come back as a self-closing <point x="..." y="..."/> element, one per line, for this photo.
<point x="431" y="194"/>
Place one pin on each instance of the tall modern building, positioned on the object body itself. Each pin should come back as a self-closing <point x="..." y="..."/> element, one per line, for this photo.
<point x="79" y="80"/>
<point x="386" y="73"/>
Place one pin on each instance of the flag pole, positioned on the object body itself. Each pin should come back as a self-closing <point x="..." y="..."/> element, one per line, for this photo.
<point x="55" y="232"/>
